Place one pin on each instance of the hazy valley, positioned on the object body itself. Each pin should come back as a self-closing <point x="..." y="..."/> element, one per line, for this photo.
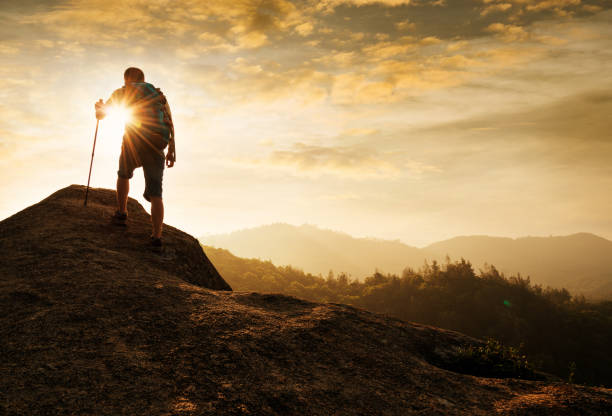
<point x="581" y="263"/>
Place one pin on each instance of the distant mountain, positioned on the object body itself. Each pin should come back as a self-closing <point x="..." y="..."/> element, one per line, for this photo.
<point x="317" y="250"/>
<point x="581" y="263"/>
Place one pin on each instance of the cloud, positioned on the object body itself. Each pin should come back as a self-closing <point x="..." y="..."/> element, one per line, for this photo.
<point x="359" y="132"/>
<point x="384" y="50"/>
<point x="429" y="40"/>
<point x="405" y="25"/>
<point x="330" y="5"/>
<point x="210" y="38"/>
<point x="592" y="8"/>
<point x="552" y="4"/>
<point x="338" y="59"/>
<point x="410" y="77"/>
<point x="355" y="88"/>
<point x="8" y="49"/>
<point x="580" y="118"/>
<point x="385" y="3"/>
<point x="571" y="131"/>
<point x="523" y="8"/>
<point x="345" y="161"/>
<point x="509" y="33"/>
<point x="241" y="65"/>
<point x="251" y="40"/>
<point x="305" y="29"/>
<point x="247" y="23"/>
<point x="341" y="196"/>
<point x="247" y="82"/>
<point x="497" y="7"/>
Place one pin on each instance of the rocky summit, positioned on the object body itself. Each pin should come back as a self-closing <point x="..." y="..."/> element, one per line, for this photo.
<point x="94" y="323"/>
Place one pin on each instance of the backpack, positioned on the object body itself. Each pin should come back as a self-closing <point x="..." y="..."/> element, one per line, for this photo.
<point x="150" y="108"/>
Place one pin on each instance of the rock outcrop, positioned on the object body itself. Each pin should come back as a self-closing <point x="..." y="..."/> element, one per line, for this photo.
<point x="93" y="323"/>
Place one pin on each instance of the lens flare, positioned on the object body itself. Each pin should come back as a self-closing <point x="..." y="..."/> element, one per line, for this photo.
<point x="118" y="116"/>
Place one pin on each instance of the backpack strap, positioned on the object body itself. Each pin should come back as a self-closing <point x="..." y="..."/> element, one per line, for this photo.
<point x="167" y="117"/>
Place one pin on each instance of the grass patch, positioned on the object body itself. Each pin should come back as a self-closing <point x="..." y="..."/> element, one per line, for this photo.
<point x="492" y="360"/>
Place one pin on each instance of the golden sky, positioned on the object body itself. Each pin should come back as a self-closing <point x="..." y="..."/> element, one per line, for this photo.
<point x="403" y="119"/>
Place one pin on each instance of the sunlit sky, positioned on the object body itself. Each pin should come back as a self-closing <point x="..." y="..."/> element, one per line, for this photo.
<point x="414" y="120"/>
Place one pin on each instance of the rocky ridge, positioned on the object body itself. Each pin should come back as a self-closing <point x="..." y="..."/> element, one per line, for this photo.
<point x="94" y="323"/>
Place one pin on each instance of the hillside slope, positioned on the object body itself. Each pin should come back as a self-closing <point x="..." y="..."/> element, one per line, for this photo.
<point x="92" y="323"/>
<point x="581" y="263"/>
<point x="553" y="329"/>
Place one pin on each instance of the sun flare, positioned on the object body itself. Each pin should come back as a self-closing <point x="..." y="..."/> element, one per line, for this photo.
<point x="112" y="128"/>
<point x="117" y="117"/>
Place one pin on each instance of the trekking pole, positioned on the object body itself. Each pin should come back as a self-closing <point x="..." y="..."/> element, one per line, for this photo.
<point x="91" y="163"/>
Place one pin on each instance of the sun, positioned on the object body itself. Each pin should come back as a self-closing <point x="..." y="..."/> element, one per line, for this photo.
<point x="110" y="137"/>
<point x="112" y="128"/>
<point x="117" y="116"/>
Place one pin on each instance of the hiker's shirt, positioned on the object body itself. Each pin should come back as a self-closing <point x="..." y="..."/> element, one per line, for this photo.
<point x="146" y="105"/>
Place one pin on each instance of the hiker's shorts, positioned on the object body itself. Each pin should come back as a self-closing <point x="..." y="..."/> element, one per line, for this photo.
<point x="147" y="151"/>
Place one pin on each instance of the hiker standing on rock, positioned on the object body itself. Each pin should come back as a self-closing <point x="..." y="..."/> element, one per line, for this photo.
<point x="147" y="134"/>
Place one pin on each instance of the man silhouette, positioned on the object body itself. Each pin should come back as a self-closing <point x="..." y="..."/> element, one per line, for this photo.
<point x="147" y="134"/>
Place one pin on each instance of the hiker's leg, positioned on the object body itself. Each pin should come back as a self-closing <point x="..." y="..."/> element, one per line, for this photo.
<point x="123" y="189"/>
<point x="157" y="215"/>
<point x="153" y="167"/>
<point x="127" y="164"/>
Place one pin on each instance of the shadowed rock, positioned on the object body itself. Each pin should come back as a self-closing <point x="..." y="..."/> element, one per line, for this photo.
<point x="60" y="235"/>
<point x="92" y="322"/>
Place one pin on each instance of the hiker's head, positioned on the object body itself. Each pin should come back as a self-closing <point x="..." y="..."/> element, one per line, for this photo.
<point x="133" y="75"/>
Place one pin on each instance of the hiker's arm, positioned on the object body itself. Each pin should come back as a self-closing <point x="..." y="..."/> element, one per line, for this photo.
<point x="171" y="155"/>
<point x="100" y="110"/>
<point x="101" y="106"/>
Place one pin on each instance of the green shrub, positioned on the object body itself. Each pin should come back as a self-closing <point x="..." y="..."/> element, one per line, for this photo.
<point x="493" y="360"/>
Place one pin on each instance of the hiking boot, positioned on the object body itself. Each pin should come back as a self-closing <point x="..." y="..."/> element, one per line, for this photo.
<point x="156" y="244"/>
<point x="119" y="218"/>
